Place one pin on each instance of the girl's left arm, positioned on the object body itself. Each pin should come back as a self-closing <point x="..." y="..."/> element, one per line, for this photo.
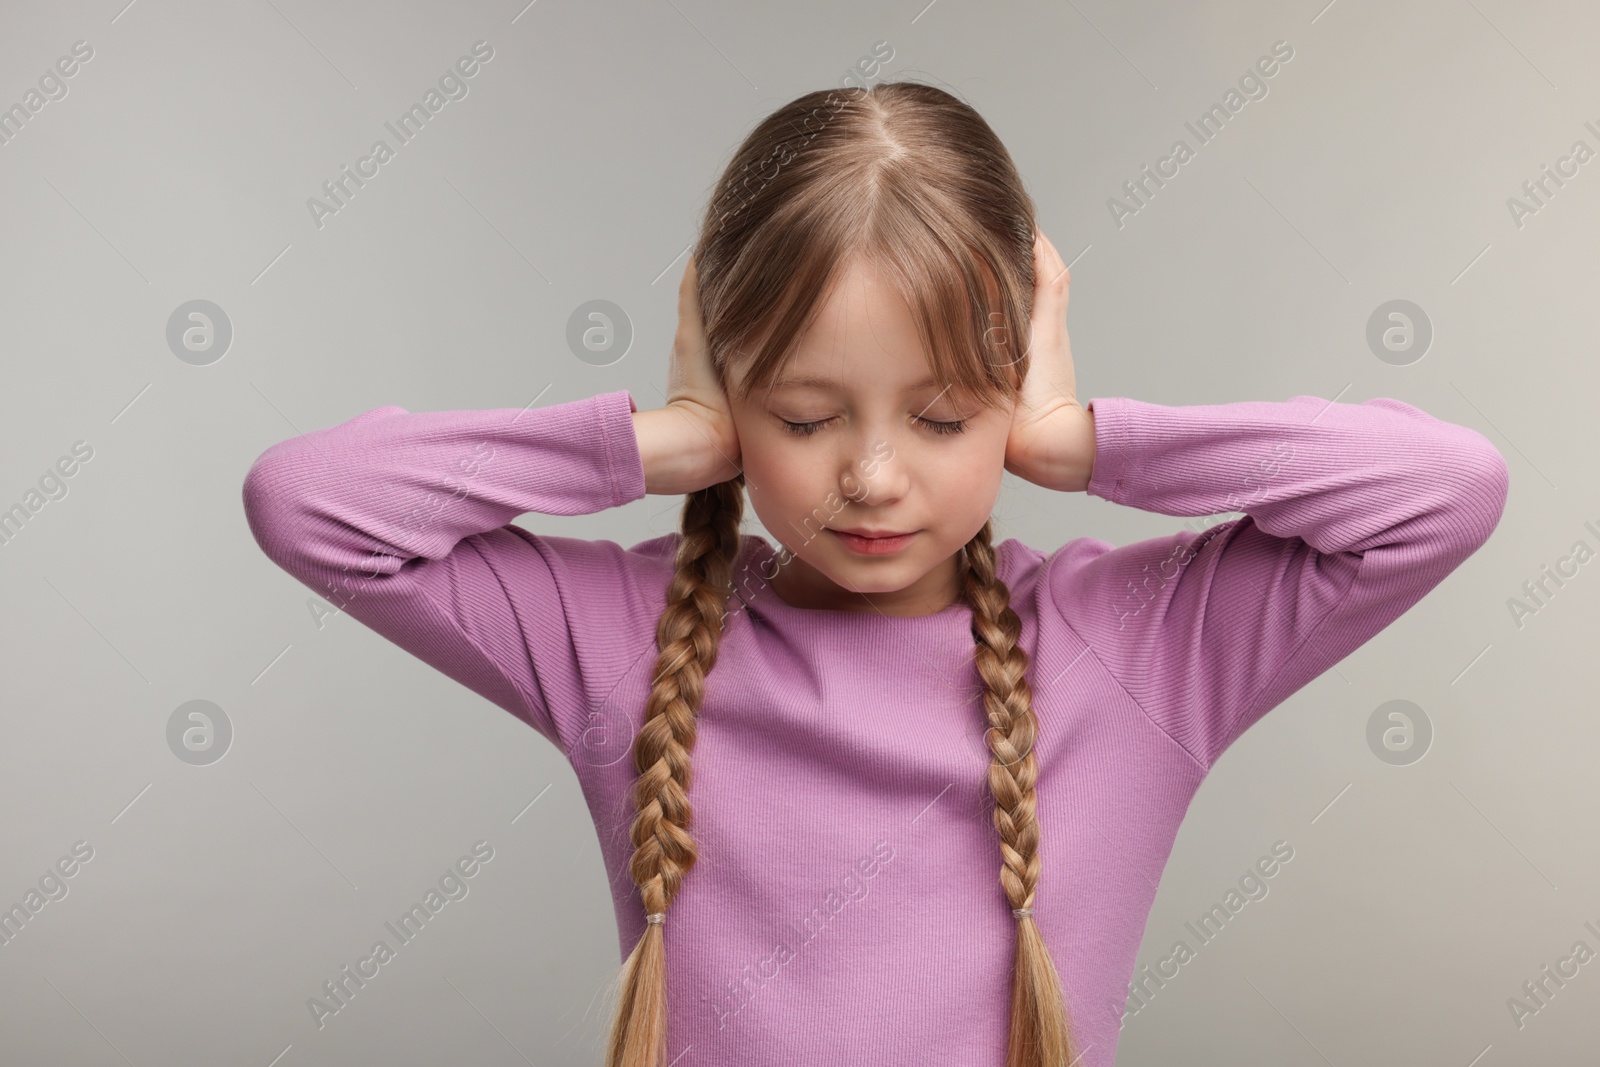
<point x="1353" y="512"/>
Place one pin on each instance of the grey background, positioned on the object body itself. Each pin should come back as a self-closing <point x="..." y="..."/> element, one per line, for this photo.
<point x="178" y="166"/>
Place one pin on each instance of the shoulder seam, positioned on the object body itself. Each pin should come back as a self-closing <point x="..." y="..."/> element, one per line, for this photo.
<point x="535" y="542"/>
<point x="1254" y="700"/>
<point x="1047" y="593"/>
<point x="472" y="640"/>
<point x="473" y="542"/>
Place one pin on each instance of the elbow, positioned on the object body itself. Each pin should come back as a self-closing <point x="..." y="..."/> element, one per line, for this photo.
<point x="279" y="492"/>
<point x="1481" y="492"/>
<point x="1457" y="501"/>
<point x="271" y="502"/>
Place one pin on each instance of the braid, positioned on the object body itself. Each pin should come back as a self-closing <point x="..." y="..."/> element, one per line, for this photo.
<point x="1040" y="1034"/>
<point x="686" y="636"/>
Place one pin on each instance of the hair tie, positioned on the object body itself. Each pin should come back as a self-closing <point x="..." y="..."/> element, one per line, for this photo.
<point x="657" y="917"/>
<point x="1018" y="913"/>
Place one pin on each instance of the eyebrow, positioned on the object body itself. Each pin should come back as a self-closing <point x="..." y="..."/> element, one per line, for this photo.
<point x="818" y="382"/>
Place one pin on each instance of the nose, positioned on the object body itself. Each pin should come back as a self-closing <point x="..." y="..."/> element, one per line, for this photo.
<point x="874" y="474"/>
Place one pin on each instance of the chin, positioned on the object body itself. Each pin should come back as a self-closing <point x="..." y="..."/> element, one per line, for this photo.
<point x="867" y="575"/>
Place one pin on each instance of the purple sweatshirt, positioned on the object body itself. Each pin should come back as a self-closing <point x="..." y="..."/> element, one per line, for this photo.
<point x="847" y="894"/>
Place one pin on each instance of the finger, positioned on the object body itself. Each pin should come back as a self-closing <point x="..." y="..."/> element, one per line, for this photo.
<point x="1055" y="269"/>
<point x="690" y="326"/>
<point x="1050" y="282"/>
<point x="687" y="289"/>
<point x="1052" y="286"/>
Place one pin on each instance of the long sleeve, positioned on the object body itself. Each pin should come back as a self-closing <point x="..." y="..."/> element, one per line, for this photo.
<point x="403" y="520"/>
<point x="1353" y="512"/>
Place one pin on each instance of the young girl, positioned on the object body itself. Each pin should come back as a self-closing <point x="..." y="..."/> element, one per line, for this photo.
<point x="816" y="758"/>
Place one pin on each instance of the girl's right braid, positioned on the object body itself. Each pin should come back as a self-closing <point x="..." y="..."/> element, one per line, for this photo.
<point x="687" y="637"/>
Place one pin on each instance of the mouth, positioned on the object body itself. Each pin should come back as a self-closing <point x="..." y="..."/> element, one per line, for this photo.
<point x="872" y="542"/>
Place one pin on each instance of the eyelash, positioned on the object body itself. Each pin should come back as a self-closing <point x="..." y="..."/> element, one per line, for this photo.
<point x="806" y="429"/>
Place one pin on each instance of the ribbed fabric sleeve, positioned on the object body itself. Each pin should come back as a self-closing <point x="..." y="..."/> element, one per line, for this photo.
<point x="1353" y="513"/>
<point x="401" y="520"/>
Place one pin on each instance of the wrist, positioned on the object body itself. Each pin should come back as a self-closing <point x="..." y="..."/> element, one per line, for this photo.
<point x="1058" y="451"/>
<point x="677" y="453"/>
<point x="1073" y="466"/>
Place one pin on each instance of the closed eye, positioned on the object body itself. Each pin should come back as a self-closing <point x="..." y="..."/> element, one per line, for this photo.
<point x="944" y="427"/>
<point x="806" y="429"/>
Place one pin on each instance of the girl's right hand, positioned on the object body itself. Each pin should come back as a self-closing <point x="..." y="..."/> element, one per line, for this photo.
<point x="696" y="394"/>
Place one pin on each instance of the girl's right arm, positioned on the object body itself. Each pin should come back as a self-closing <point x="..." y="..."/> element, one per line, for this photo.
<point x="403" y="520"/>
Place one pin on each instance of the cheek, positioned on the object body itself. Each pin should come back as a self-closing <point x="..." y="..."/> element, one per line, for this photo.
<point x="775" y="477"/>
<point x="969" y="478"/>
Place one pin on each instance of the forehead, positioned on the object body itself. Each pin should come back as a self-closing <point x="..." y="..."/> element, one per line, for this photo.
<point x="864" y="337"/>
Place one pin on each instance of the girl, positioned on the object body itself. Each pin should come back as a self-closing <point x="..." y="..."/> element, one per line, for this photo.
<point x="815" y="758"/>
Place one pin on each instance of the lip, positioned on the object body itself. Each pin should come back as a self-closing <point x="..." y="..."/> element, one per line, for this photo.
<point x="862" y="531"/>
<point x="880" y="543"/>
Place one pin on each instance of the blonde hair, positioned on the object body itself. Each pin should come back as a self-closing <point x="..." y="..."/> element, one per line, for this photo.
<point x="915" y="180"/>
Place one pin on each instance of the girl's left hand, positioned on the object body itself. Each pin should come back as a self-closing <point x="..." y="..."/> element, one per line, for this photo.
<point x="1051" y="442"/>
